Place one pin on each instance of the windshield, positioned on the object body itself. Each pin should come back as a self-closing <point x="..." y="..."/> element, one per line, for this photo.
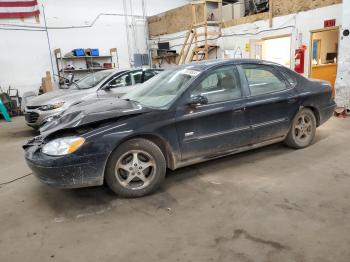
<point x="162" y="89"/>
<point x="92" y="79"/>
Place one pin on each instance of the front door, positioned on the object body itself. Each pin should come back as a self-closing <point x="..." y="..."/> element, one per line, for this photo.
<point x="219" y="126"/>
<point x="272" y="102"/>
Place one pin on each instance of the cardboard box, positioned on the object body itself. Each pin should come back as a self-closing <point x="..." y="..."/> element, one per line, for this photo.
<point x="227" y="13"/>
<point x="46" y="83"/>
<point x="238" y="10"/>
<point x="231" y="11"/>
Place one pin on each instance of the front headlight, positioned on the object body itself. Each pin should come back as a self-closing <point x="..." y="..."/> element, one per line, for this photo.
<point x="51" y="107"/>
<point x="63" y="146"/>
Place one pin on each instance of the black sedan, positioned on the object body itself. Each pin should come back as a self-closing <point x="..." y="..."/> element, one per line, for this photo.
<point x="180" y="117"/>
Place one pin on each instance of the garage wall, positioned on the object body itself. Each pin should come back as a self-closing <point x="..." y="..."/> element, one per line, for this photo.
<point x="342" y="84"/>
<point x="24" y="55"/>
<point x="239" y="39"/>
<point x="180" y="19"/>
<point x="174" y="20"/>
<point x="297" y="25"/>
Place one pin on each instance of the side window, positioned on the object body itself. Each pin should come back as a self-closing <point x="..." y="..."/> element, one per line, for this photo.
<point x="121" y="81"/>
<point x="221" y="85"/>
<point x="137" y="77"/>
<point x="148" y="75"/>
<point x="263" y="79"/>
<point x="290" y="79"/>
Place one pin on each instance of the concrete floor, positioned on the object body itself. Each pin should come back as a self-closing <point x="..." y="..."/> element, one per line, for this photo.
<point x="271" y="204"/>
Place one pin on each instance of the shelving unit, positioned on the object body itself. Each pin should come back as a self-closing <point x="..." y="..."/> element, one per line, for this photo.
<point x="83" y="63"/>
<point x="193" y="37"/>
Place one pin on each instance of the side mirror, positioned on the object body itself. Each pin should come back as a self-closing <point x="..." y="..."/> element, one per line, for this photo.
<point x="107" y="87"/>
<point x="198" y="100"/>
<point x="110" y="86"/>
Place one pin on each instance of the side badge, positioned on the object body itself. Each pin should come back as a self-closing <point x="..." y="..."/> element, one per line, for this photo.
<point x="189" y="134"/>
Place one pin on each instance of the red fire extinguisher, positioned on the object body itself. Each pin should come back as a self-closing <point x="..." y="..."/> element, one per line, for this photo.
<point x="300" y="59"/>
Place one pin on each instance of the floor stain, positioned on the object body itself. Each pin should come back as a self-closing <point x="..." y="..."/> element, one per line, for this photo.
<point x="244" y="247"/>
<point x="341" y="176"/>
<point x="242" y="233"/>
<point x="287" y="205"/>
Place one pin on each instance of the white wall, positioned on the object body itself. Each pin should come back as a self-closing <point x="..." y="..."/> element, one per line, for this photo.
<point x="298" y="25"/>
<point x="342" y="85"/>
<point x="24" y="55"/>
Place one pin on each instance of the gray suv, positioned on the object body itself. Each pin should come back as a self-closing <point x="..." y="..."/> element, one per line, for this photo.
<point x="103" y="84"/>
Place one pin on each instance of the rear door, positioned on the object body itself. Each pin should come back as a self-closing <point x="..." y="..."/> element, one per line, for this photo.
<point x="148" y="74"/>
<point x="117" y="86"/>
<point x="271" y="103"/>
<point x="219" y="126"/>
<point x="136" y="78"/>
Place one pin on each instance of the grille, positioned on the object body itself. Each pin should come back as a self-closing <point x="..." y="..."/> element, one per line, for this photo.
<point x="31" y="117"/>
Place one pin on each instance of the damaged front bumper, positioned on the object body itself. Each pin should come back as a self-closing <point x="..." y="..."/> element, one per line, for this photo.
<point x="70" y="171"/>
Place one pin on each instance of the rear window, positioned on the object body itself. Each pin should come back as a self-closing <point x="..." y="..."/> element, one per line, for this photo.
<point x="148" y="75"/>
<point x="290" y="79"/>
<point x="263" y="79"/>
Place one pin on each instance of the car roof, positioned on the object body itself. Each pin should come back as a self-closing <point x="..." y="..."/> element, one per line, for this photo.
<point x="207" y="64"/>
<point x="116" y="70"/>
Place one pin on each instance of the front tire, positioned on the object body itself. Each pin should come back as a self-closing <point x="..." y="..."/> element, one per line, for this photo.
<point x="303" y="129"/>
<point x="136" y="168"/>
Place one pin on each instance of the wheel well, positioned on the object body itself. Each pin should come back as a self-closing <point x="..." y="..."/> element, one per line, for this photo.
<point x="164" y="147"/>
<point x="316" y="113"/>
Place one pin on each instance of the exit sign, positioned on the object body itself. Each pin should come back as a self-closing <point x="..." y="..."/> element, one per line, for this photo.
<point x="329" y="23"/>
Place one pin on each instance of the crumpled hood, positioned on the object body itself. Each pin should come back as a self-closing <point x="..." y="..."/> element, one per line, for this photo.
<point x="62" y="95"/>
<point x="92" y="111"/>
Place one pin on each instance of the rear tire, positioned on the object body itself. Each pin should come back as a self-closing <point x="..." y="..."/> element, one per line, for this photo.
<point x="136" y="168"/>
<point x="303" y="129"/>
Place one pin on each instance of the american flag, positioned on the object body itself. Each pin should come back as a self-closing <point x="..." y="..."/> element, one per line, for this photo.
<point x="18" y="9"/>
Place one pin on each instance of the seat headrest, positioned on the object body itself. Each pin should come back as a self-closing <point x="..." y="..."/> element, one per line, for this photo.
<point x="227" y="82"/>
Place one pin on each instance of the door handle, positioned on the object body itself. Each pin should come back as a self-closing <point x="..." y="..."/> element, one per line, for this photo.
<point x="291" y="100"/>
<point x="239" y="110"/>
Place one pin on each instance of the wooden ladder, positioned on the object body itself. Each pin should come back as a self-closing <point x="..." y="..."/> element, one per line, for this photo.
<point x="191" y="44"/>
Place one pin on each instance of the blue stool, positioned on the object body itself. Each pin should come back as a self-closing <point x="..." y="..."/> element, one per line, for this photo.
<point x="4" y="112"/>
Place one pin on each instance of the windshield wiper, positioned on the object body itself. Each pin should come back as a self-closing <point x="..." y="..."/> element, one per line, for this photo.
<point x="130" y="100"/>
<point x="73" y="83"/>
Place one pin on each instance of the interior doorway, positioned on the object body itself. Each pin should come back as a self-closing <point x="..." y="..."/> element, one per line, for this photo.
<point x="275" y="49"/>
<point x="324" y="54"/>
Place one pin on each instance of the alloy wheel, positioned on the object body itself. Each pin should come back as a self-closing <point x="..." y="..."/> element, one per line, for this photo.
<point x="303" y="128"/>
<point x="135" y="169"/>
